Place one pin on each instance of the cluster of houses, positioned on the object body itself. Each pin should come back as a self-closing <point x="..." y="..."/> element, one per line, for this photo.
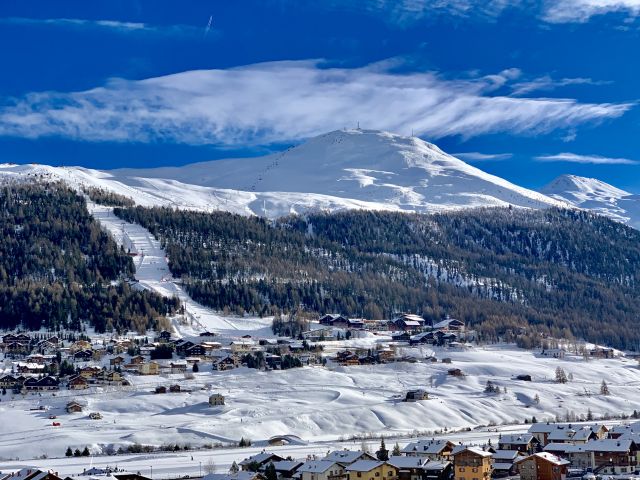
<point x="407" y="327"/>
<point x="548" y="451"/>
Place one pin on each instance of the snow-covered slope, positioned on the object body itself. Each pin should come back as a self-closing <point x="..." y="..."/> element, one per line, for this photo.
<point x="597" y="196"/>
<point x="350" y="169"/>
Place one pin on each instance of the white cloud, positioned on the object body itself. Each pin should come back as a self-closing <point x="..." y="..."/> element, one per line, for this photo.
<point x="546" y="82"/>
<point x="288" y="101"/>
<point x="569" y="11"/>
<point x="482" y="157"/>
<point x="112" y="25"/>
<point x="406" y="12"/>
<point x="590" y="159"/>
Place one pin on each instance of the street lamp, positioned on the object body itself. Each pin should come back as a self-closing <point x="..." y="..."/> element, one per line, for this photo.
<point x="151" y="467"/>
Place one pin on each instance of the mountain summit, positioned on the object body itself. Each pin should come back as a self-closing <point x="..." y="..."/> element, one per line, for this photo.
<point x="344" y="169"/>
<point x="597" y="196"/>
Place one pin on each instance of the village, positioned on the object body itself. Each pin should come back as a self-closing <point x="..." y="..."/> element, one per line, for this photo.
<point x="57" y="381"/>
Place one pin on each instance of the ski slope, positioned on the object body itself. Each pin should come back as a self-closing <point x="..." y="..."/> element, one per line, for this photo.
<point x="152" y="272"/>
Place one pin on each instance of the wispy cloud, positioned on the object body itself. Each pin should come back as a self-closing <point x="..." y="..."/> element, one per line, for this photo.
<point x="547" y="83"/>
<point x="406" y="12"/>
<point x="589" y="159"/>
<point x="571" y="11"/>
<point x="288" y="101"/>
<point x="110" y="25"/>
<point x="482" y="157"/>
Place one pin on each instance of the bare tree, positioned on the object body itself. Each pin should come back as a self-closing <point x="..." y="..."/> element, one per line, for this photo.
<point x="209" y="466"/>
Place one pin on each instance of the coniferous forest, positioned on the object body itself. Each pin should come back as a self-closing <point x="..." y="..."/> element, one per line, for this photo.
<point x="504" y="271"/>
<point x="58" y="269"/>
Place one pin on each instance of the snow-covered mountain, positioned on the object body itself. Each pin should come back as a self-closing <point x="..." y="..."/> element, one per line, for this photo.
<point x="597" y="196"/>
<point x="345" y="169"/>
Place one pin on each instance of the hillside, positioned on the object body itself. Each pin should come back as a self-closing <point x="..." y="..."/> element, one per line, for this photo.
<point x="350" y="169"/>
<point x="58" y="269"/>
<point x="502" y="270"/>
<point x="596" y="196"/>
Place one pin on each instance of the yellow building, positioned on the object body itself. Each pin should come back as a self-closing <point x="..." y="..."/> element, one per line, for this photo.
<point x="371" y="470"/>
<point x="472" y="464"/>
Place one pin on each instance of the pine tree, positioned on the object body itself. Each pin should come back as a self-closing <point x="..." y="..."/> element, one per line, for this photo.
<point x="234" y="468"/>
<point x="536" y="399"/>
<point x="69" y="452"/>
<point x="382" y="454"/>
<point x="561" y="375"/>
<point x="396" y="450"/>
<point x="85" y="452"/>
<point x="270" y="472"/>
<point x="604" y="388"/>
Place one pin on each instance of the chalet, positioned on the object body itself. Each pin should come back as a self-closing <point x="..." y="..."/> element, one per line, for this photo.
<point x="116" y="361"/>
<point x="109" y="378"/>
<point x="195" y="351"/>
<point x="450" y="325"/>
<point x="553" y="353"/>
<point x="524" y="377"/>
<point x="356" y="323"/>
<point x="137" y="360"/>
<point x="206" y="333"/>
<point x="601" y="352"/>
<point x="422" y="338"/>
<point x="542" y="466"/>
<point x="321" y="470"/>
<point x="408" y="468"/>
<point x="259" y="460"/>
<point x="226" y="363"/>
<point x="438" y="470"/>
<point x="80" y="345"/>
<point x="471" y="463"/>
<point x="504" y="462"/>
<point x="164" y="336"/>
<point x="614" y="456"/>
<point x="95" y="416"/>
<point x="525" y="443"/>
<point x="347" y="457"/>
<point x="160" y="389"/>
<point x="174" y="388"/>
<point x="334" y="320"/>
<point x="408" y="323"/>
<point x="434" y="450"/>
<point x="8" y="382"/>
<point x="78" y="382"/>
<point x="151" y="368"/>
<point x="577" y="455"/>
<point x="46" y="346"/>
<point x="73" y="407"/>
<point x="89" y="372"/>
<point x="83" y="355"/>
<point x="284" y="468"/>
<point x="216" y="400"/>
<point x="371" y="470"/>
<point x="401" y="336"/>
<point x="416" y="395"/>
<point x="347" y="358"/>
<point x="618" y="430"/>
<point x="565" y="432"/>
<point x="178" y="367"/>
<point x="43" y="384"/>
<point x="30" y="473"/>
<point x="33" y="368"/>
<point x="242" y="346"/>
<point x="455" y="372"/>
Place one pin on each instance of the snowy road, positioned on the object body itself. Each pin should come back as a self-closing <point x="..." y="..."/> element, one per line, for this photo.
<point x="152" y="271"/>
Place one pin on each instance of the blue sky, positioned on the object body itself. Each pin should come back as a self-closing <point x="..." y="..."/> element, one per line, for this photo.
<point x="524" y="89"/>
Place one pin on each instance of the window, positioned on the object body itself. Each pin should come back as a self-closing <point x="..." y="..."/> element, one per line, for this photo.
<point x="377" y="474"/>
<point x="474" y="470"/>
<point x="359" y="474"/>
<point x="461" y="469"/>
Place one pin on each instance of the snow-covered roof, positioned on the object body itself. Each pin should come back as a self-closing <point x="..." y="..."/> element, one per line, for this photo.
<point x="316" y="466"/>
<point x="502" y="465"/>
<point x="344" y="456"/>
<point x="286" y="464"/>
<point x="566" y="447"/>
<point x="502" y="455"/>
<point x="549" y="457"/>
<point x="241" y="475"/>
<point x="426" y="446"/>
<point x="364" y="465"/>
<point x="436" y="466"/>
<point x="476" y="450"/>
<point x="259" y="458"/>
<point x="516" y="439"/>
<point x="400" y="461"/>
<point x="610" y="445"/>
